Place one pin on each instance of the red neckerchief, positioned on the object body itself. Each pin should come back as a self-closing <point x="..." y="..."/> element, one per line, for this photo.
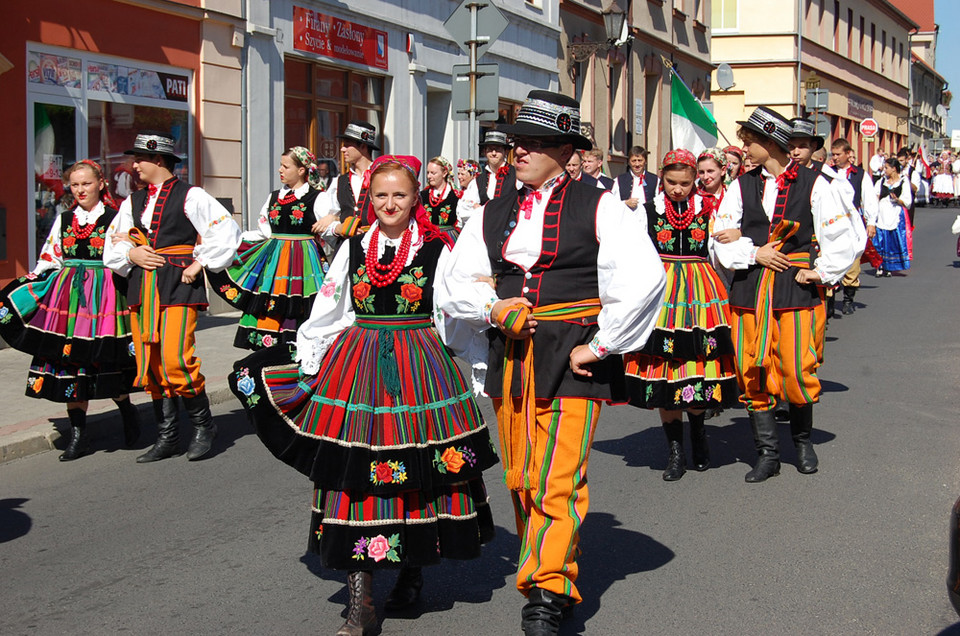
<point x="531" y="195"/>
<point x="151" y="191"/>
<point x="788" y="175"/>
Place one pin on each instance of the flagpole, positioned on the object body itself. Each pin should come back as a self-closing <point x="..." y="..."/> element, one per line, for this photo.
<point x="673" y="73"/>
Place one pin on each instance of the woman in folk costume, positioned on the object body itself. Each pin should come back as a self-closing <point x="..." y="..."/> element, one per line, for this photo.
<point x="467" y="171"/>
<point x="375" y="411"/>
<point x="688" y="363"/>
<point x="711" y="183"/>
<point x="893" y="227"/>
<point x="440" y="197"/>
<point x="734" y="163"/>
<point x="72" y="315"/>
<point x="281" y="264"/>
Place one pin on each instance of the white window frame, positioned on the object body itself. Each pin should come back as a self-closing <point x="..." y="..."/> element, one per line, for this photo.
<point x="716" y="29"/>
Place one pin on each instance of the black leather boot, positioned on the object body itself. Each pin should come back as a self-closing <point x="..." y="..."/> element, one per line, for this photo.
<point x="168" y="431"/>
<point x="204" y="430"/>
<point x="831" y="306"/>
<point x="782" y="410"/>
<point x="542" y="613"/>
<point x="676" y="462"/>
<point x="698" y="442"/>
<point x="131" y="422"/>
<point x="79" y="444"/>
<point x="848" y="294"/>
<point x="768" y="448"/>
<point x="361" y="615"/>
<point x="801" y="425"/>
<point x="406" y="591"/>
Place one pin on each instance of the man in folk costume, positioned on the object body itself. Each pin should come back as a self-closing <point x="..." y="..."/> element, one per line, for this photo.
<point x="166" y="234"/>
<point x="780" y="209"/>
<point x="347" y="194"/>
<point x="577" y="282"/>
<point x="863" y="200"/>
<point x="496" y="179"/>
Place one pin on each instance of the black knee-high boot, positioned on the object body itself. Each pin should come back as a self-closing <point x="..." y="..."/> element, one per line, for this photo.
<point x="204" y="430"/>
<point x="131" y="422"/>
<point x="676" y="462"/>
<point x="768" y="447"/>
<point x="361" y="614"/>
<point x="78" y="446"/>
<point x="168" y="431"/>
<point x="406" y="591"/>
<point x="698" y="442"/>
<point x="801" y="427"/>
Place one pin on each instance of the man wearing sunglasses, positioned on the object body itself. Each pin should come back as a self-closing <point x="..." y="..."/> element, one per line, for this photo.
<point x="578" y="282"/>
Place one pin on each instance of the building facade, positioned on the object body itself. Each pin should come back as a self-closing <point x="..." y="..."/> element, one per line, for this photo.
<point x="80" y="84"/>
<point x="313" y="66"/>
<point x="624" y="88"/>
<point x="858" y="51"/>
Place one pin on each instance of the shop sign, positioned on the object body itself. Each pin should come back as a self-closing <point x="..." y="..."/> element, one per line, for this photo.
<point x="60" y="70"/>
<point x="859" y="107"/>
<point x="326" y="35"/>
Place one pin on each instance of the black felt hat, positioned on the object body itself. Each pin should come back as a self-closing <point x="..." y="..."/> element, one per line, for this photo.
<point x="547" y="114"/>
<point x="362" y="132"/>
<point x="769" y="124"/>
<point x="150" y="142"/>
<point x="806" y="128"/>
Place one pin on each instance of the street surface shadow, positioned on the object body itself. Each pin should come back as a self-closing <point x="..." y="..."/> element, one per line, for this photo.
<point x="212" y="322"/>
<point x="828" y="386"/>
<point x="601" y="567"/>
<point x="230" y="427"/>
<point x="730" y="443"/>
<point x="953" y="630"/>
<point x="450" y="582"/>
<point x="13" y="523"/>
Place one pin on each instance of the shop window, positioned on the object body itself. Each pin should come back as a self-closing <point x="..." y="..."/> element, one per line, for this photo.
<point x="321" y="99"/>
<point x="81" y="105"/>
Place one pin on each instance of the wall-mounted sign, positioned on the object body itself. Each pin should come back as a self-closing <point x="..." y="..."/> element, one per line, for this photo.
<point x="326" y="35"/>
<point x="859" y="107"/>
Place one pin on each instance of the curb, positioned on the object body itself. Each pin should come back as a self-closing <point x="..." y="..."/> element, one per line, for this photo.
<point x="38" y="436"/>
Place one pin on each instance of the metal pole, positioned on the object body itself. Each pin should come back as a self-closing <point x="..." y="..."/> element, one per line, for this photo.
<point x="473" y="150"/>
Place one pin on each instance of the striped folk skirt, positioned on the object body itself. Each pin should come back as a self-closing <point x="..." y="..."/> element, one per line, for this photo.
<point x="75" y="323"/>
<point x="273" y="282"/>
<point x="689" y="361"/>
<point x="391" y="436"/>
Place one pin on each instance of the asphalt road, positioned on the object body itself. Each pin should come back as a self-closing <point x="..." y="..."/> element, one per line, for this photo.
<point x="103" y="545"/>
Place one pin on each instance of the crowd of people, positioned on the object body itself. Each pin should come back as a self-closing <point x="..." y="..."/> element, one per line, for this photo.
<point x="691" y="286"/>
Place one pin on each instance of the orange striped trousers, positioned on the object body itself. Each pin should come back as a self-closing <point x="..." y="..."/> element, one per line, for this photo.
<point x="169" y="368"/>
<point x="550" y="513"/>
<point x="794" y="359"/>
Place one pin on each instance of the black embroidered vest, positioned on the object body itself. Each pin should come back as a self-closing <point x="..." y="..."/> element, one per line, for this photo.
<point x="169" y="226"/>
<point x="787" y="293"/>
<point x="445" y="214"/>
<point x="91" y="247"/>
<point x="565" y="272"/>
<point x="293" y="217"/>
<point x="506" y="186"/>
<point x="856" y="180"/>
<point x="670" y="241"/>
<point x="411" y="293"/>
<point x="349" y="205"/>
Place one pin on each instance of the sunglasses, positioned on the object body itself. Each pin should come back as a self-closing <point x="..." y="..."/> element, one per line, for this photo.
<point x="534" y="145"/>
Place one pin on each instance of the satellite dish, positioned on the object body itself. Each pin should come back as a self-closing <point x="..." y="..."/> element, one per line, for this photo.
<point x="725" y="77"/>
<point x="941" y="111"/>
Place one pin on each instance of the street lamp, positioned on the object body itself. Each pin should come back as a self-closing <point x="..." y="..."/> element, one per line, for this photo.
<point x="613" y="19"/>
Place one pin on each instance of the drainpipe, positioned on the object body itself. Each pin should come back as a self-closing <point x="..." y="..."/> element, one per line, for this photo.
<point x="799" y="54"/>
<point x="244" y="106"/>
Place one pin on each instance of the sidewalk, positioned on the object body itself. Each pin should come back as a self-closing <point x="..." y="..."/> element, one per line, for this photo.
<point x="29" y="426"/>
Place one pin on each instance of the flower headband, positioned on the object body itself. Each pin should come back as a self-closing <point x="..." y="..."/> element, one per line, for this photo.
<point x="308" y="161"/>
<point x="680" y="156"/>
<point x="471" y="166"/>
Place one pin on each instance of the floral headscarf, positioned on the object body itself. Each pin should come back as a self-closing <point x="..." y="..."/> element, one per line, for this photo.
<point x="451" y="177"/>
<point x="308" y="161"/>
<point x="680" y="156"/>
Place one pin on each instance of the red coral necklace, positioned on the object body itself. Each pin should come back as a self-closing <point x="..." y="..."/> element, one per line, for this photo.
<point x="383" y="275"/>
<point x="683" y="220"/>
<point x="435" y="201"/>
<point x="85" y="231"/>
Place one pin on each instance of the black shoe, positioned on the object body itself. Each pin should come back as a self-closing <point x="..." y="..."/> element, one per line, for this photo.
<point x="198" y="410"/>
<point x="768" y="447"/>
<point x="78" y="446"/>
<point x="168" y="431"/>
<point x="848" y="296"/>
<point x="406" y="591"/>
<point x="361" y="614"/>
<point x="542" y="613"/>
<point x="131" y="422"/>
<point x="676" y="462"/>
<point x="801" y="426"/>
<point x="698" y="442"/>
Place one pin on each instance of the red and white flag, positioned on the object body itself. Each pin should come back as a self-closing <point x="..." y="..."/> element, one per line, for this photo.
<point x="922" y="154"/>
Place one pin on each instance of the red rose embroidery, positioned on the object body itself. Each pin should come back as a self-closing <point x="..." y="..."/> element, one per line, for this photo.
<point x="361" y="290"/>
<point x="96" y="241"/>
<point x="68" y="241"/>
<point x="411" y="293"/>
<point x="697" y="234"/>
<point x="384" y="473"/>
<point x="297" y="214"/>
<point x="664" y="235"/>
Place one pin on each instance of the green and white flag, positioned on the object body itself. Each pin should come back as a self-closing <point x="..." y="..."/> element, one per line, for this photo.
<point x="693" y="126"/>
